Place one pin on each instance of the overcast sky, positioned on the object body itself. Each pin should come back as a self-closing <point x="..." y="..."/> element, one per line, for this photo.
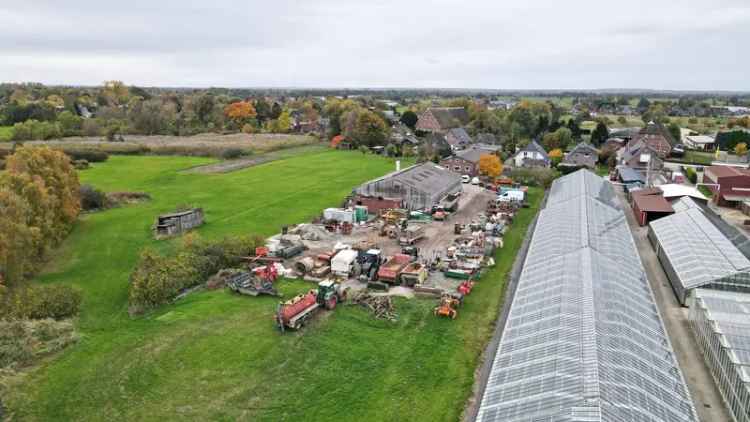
<point x="508" y="44"/>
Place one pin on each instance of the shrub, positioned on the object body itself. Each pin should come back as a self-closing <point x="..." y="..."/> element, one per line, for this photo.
<point x="81" y="164"/>
<point x="23" y="341"/>
<point x="158" y="279"/>
<point x="43" y="301"/>
<point x="91" y="127"/>
<point x="92" y="198"/>
<point x="90" y="155"/>
<point x="541" y="177"/>
<point x="232" y="153"/>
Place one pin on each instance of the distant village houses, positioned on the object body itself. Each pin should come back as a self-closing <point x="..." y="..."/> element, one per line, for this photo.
<point x="442" y="119"/>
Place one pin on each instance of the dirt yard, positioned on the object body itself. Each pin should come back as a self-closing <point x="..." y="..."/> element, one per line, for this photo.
<point x="438" y="236"/>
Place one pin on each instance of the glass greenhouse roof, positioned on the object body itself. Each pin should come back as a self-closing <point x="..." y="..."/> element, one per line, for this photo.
<point x="584" y="340"/>
<point x="696" y="249"/>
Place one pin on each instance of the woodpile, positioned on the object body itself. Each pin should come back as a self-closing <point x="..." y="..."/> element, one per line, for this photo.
<point x="381" y="306"/>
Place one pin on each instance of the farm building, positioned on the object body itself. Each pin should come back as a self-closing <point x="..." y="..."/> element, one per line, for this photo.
<point x="721" y="324"/>
<point x="695" y="253"/>
<point x="730" y="185"/>
<point x="584" y="340"/>
<point x="177" y="223"/>
<point x="418" y="187"/>
<point x="650" y="205"/>
<point x="442" y="119"/>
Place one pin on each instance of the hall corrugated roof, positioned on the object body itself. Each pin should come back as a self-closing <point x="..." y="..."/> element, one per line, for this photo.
<point x="584" y="340"/>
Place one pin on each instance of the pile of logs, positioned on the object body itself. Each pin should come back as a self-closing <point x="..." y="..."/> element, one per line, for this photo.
<point x="381" y="305"/>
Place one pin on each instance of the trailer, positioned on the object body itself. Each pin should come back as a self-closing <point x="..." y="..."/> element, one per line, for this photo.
<point x="414" y="273"/>
<point x="296" y="312"/>
<point x="450" y="202"/>
<point x="411" y="234"/>
<point x="344" y="263"/>
<point x="391" y="270"/>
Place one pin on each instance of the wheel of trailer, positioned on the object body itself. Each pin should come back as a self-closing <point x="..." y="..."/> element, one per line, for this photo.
<point x="331" y="303"/>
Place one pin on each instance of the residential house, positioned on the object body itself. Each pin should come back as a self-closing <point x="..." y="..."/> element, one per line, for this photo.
<point x="442" y="119"/>
<point x="730" y="185"/>
<point x="487" y="138"/>
<point x="582" y="155"/>
<point x="532" y="155"/>
<point x="640" y="156"/>
<point x="699" y="142"/>
<point x="612" y="145"/>
<point x="467" y="161"/>
<point x="655" y="137"/>
<point x="458" y="138"/>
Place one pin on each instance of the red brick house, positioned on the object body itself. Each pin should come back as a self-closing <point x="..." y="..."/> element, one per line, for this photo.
<point x="654" y="137"/>
<point x="442" y="119"/>
<point x="733" y="184"/>
<point x="467" y="161"/>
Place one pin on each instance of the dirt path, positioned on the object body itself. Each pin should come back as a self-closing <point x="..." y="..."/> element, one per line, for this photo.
<point x="242" y="163"/>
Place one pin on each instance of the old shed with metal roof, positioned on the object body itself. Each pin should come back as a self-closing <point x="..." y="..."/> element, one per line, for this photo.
<point x="420" y="186"/>
<point x="584" y="340"/>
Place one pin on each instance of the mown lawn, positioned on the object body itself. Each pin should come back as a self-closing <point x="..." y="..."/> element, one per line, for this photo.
<point x="217" y="356"/>
<point x="6" y="133"/>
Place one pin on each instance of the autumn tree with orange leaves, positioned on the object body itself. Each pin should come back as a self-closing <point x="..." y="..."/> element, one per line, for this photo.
<point x="490" y="165"/>
<point x="240" y="113"/>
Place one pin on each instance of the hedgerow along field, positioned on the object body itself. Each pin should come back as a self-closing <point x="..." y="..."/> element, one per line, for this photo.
<point x="6" y="133"/>
<point x="217" y="356"/>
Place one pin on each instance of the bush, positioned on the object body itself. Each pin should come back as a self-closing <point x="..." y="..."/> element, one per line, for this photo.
<point x="90" y="155"/>
<point x="81" y="164"/>
<point x="158" y="279"/>
<point x="43" y="301"/>
<point x="232" y="153"/>
<point x="23" y="341"/>
<point x="541" y="177"/>
<point x="92" y="198"/>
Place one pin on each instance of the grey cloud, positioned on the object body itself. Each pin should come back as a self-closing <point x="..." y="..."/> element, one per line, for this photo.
<point x="676" y="44"/>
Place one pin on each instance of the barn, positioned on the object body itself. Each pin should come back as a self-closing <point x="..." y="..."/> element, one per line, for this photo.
<point x="418" y="187"/>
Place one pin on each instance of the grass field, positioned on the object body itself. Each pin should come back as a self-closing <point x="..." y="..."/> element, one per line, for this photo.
<point x="216" y="356"/>
<point x="6" y="132"/>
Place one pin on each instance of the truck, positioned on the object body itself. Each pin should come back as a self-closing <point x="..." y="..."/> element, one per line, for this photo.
<point x="344" y="263"/>
<point x="369" y="263"/>
<point x="295" y="313"/>
<point x="391" y="270"/>
<point x="413" y="273"/>
<point x="411" y="234"/>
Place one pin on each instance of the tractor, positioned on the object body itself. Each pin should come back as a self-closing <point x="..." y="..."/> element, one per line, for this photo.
<point x="296" y="312"/>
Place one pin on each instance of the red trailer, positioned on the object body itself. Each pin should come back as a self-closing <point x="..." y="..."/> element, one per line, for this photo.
<point x="391" y="270"/>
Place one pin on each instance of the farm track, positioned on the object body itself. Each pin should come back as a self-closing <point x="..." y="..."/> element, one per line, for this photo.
<point x="243" y="163"/>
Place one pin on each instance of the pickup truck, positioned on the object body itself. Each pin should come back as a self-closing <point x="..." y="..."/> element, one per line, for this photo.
<point x="391" y="270"/>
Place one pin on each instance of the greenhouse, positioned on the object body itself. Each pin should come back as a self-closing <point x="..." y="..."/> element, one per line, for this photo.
<point x="721" y="323"/>
<point x="694" y="253"/>
<point x="584" y="340"/>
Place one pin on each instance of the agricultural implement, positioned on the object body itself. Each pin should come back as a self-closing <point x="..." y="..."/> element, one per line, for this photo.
<point x="296" y="312"/>
<point x="391" y="270"/>
<point x="447" y="307"/>
<point x="465" y="287"/>
<point x="254" y="283"/>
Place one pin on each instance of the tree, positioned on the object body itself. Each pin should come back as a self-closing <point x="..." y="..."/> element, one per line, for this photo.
<point x="240" y="112"/>
<point x="70" y="124"/>
<point x="560" y="138"/>
<point x="600" y="134"/>
<point x="16" y="237"/>
<point x="675" y="132"/>
<point x="365" y="127"/>
<point x="203" y="107"/>
<point x="115" y="92"/>
<point x="622" y="120"/>
<point x="490" y="165"/>
<point x="276" y="110"/>
<point x="391" y="150"/>
<point x="409" y="118"/>
<point x="263" y="110"/>
<point x="740" y="149"/>
<point x="643" y="104"/>
<point x="59" y="178"/>
<point x="556" y="156"/>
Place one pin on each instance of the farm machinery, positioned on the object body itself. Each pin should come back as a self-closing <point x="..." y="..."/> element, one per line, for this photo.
<point x="447" y="307"/>
<point x="255" y="282"/>
<point x="295" y="312"/>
